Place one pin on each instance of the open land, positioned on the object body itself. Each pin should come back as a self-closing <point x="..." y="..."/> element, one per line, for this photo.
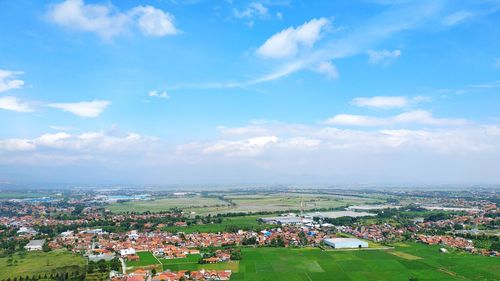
<point x="35" y="263"/>
<point x="228" y="223"/>
<point x="405" y="261"/>
<point x="165" y="204"/>
<point x="314" y="264"/>
<point x="274" y="202"/>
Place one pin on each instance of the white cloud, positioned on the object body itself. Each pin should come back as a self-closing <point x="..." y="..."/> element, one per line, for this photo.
<point x="420" y="117"/>
<point x="90" y="145"/>
<point x="51" y="139"/>
<point x="88" y="109"/>
<point x="17" y="145"/>
<point x="351" y="41"/>
<point x="328" y="69"/>
<point x="457" y="18"/>
<point x="154" y="22"/>
<point x="254" y="9"/>
<point x="383" y="55"/>
<point x="63" y="128"/>
<point x="8" y="80"/>
<point x="384" y="102"/>
<point x="389" y="102"/>
<point x="156" y="94"/>
<point x="287" y="42"/>
<point x="101" y="19"/>
<point x="14" y="104"/>
<point x="246" y="147"/>
<point x="108" y="22"/>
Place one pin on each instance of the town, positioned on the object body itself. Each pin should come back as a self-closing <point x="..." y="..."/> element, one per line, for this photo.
<point x="166" y="245"/>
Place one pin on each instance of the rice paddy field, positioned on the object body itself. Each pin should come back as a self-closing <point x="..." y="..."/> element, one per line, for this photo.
<point x="165" y="204"/>
<point x="283" y="202"/>
<point x="233" y="203"/>
<point x="405" y="261"/>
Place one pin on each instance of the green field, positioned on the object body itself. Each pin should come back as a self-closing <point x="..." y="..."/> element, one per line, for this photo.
<point x="243" y="222"/>
<point x="145" y="259"/>
<point x="412" y="260"/>
<point x="187" y="259"/>
<point x="405" y="261"/>
<point x="191" y="263"/>
<point x="21" y="195"/>
<point x="242" y="203"/>
<point x="34" y="263"/>
<point x="165" y="204"/>
<point x="282" y="202"/>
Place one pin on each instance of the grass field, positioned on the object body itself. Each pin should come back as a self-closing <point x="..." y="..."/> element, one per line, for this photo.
<point x="242" y="203"/>
<point x="191" y="263"/>
<point x="34" y="263"/>
<point x="414" y="260"/>
<point x="282" y="202"/>
<point x="405" y="261"/>
<point x="187" y="259"/>
<point x="243" y="222"/>
<point x="21" y="195"/>
<point x="145" y="259"/>
<point x="165" y="204"/>
<point x="148" y="261"/>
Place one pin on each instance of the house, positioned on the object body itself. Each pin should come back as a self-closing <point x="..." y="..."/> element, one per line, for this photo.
<point x="211" y="260"/>
<point x="35" y="245"/>
<point x="133" y="257"/>
<point x="166" y="276"/>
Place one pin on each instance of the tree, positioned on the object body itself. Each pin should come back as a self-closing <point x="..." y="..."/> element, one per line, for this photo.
<point x="303" y="238"/>
<point x="91" y="267"/>
<point x="495" y="246"/>
<point x="103" y="267"/>
<point x="236" y="254"/>
<point x="153" y="271"/>
<point x="115" y="264"/>
<point x="46" y="247"/>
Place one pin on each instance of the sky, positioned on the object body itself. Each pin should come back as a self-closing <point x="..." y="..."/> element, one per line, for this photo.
<point x="250" y="92"/>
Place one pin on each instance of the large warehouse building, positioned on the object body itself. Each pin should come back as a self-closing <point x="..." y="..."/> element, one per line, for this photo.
<point x="342" y="243"/>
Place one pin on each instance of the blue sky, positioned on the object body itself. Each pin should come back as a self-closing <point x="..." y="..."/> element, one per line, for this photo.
<point x="369" y="91"/>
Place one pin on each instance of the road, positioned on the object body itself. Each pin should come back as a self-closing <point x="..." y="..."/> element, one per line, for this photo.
<point x="124" y="267"/>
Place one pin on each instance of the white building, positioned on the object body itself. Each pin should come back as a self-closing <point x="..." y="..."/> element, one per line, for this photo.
<point x="35" y="245"/>
<point x="126" y="252"/>
<point x="343" y="243"/>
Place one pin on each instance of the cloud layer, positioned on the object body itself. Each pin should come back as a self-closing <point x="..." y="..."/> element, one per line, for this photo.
<point x="278" y="151"/>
